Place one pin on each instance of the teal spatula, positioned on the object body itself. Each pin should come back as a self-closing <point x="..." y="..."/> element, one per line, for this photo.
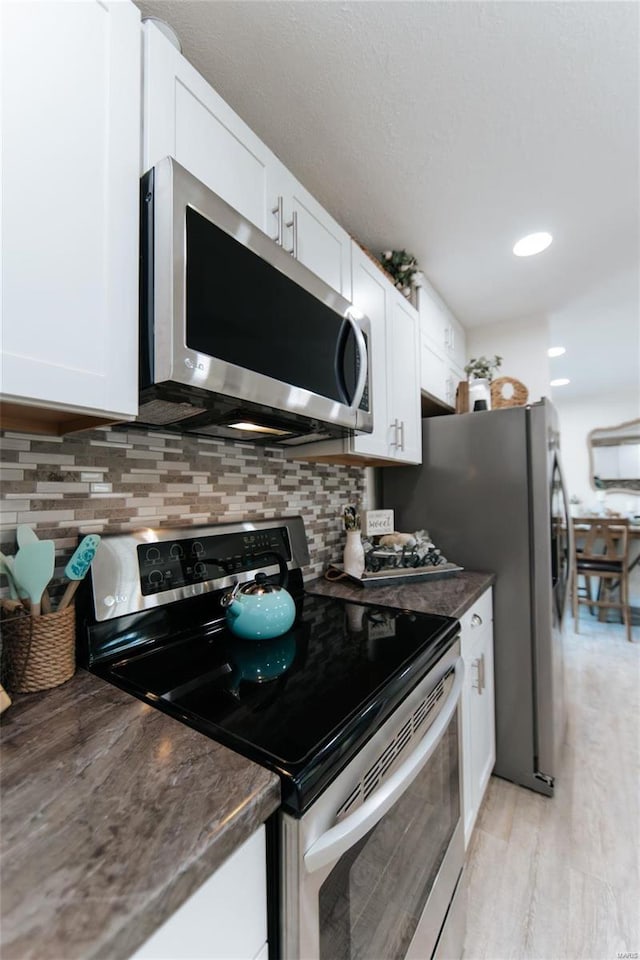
<point x="24" y="536"/>
<point x="78" y="566"/>
<point x="33" y="568"/>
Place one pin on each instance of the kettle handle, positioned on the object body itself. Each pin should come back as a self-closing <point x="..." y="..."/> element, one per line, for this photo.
<point x="282" y="563"/>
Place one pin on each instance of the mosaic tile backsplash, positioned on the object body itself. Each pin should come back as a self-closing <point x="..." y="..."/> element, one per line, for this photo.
<point x="111" y="480"/>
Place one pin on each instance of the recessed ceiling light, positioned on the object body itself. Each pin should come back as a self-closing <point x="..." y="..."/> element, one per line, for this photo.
<point x="560" y="382"/>
<point x="556" y="351"/>
<point x="533" y="243"/>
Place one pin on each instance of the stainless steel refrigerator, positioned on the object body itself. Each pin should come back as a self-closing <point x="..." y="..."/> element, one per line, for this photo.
<point x="490" y="491"/>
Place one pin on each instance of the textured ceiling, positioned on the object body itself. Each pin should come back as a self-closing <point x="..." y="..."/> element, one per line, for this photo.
<point x="452" y="129"/>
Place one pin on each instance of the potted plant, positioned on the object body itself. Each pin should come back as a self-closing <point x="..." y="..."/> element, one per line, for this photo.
<point x="482" y="368"/>
<point x="480" y="372"/>
<point x="403" y="269"/>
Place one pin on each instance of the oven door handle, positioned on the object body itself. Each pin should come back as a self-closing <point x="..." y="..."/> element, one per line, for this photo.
<point x="329" y="847"/>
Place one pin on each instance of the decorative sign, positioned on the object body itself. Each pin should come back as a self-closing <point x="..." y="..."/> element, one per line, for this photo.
<point x="377" y="522"/>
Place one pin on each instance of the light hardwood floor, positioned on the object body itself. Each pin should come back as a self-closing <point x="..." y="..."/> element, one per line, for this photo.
<point x="560" y="878"/>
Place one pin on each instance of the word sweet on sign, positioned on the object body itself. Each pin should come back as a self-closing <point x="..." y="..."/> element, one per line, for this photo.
<point x="377" y="522"/>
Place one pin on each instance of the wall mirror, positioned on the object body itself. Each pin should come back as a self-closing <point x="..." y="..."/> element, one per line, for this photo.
<point x="614" y="457"/>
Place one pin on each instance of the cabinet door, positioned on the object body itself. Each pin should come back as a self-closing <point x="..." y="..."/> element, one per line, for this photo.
<point x="457" y="344"/>
<point x="185" y="118"/>
<point x="483" y="716"/>
<point x="308" y="231"/>
<point x="434" y="372"/>
<point x="370" y="296"/>
<point x="403" y="371"/>
<point x="433" y="318"/>
<point x="71" y="134"/>
<point x="478" y="707"/>
<point x="225" y="919"/>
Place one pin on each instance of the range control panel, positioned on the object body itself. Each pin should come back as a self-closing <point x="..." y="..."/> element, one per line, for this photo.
<point x="170" y="564"/>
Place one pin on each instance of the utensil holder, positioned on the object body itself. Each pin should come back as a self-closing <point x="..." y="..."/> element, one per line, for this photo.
<point x="38" y="652"/>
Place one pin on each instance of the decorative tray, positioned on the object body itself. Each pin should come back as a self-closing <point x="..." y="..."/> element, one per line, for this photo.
<point x="393" y="575"/>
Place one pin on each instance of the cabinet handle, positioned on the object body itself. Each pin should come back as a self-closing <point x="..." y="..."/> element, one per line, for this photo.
<point x="402" y="435"/>
<point x="396" y="428"/>
<point x="476" y="620"/>
<point x="293" y="225"/>
<point x="480" y="674"/>
<point x="278" y="212"/>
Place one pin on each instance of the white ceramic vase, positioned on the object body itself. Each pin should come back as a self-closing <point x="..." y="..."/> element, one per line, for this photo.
<point x="353" y="558"/>
<point x="480" y="389"/>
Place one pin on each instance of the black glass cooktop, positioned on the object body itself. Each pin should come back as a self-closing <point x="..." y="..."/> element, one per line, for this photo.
<point x="300" y="704"/>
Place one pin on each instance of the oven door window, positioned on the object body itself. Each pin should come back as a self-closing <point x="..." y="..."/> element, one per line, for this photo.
<point x="373" y="899"/>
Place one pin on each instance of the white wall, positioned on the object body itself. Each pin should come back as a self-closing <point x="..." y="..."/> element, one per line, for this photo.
<point x="577" y="418"/>
<point x="523" y="346"/>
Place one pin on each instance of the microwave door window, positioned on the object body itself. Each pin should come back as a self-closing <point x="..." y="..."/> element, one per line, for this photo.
<point x="243" y="311"/>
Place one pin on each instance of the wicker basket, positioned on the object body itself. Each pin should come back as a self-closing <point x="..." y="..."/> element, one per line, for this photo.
<point x="38" y="652"/>
<point x="519" y="394"/>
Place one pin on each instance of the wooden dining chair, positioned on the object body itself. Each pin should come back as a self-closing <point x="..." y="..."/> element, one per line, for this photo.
<point x="602" y="553"/>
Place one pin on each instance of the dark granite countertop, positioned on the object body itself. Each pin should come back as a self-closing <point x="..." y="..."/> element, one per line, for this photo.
<point x="112" y="815"/>
<point x="450" y="595"/>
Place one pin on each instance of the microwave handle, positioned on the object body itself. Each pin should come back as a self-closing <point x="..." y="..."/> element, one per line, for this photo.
<point x="361" y="347"/>
<point x="329" y="847"/>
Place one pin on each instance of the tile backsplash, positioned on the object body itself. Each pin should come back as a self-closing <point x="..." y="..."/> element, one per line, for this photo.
<point x="110" y="480"/>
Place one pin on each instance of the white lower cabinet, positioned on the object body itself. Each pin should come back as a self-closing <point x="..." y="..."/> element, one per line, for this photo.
<point x="70" y="213"/>
<point x="225" y="919"/>
<point x="478" y="707"/>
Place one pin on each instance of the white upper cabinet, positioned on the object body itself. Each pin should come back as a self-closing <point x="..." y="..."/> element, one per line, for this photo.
<point x="70" y="172"/>
<point x="307" y="231"/>
<point x="183" y="117"/>
<point x="442" y="345"/>
<point x="370" y="294"/>
<point x="394" y="376"/>
<point x="403" y="372"/>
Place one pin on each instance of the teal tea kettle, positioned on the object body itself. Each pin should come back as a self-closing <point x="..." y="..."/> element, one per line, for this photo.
<point x="260" y="610"/>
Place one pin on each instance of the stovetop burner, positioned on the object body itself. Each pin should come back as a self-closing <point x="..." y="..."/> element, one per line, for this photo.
<point x="300" y="704"/>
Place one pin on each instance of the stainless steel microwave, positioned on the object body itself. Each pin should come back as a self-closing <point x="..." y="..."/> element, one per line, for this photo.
<point x="237" y="338"/>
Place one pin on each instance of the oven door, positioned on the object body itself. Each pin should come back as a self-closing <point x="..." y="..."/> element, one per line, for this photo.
<point x="371" y="870"/>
